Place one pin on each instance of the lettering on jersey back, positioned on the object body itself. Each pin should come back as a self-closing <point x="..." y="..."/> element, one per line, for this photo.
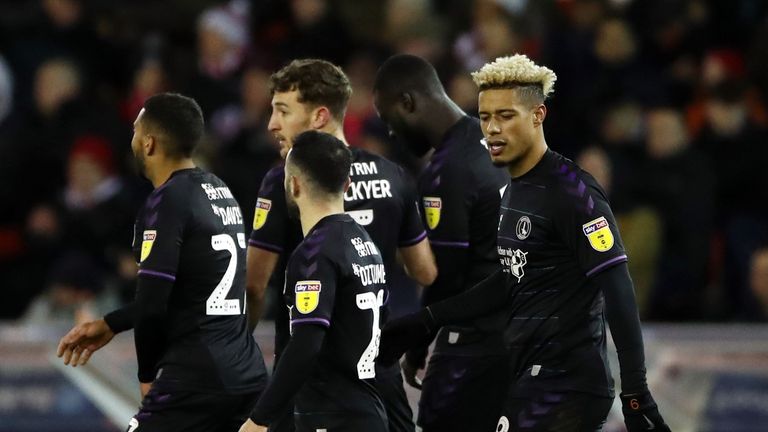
<point x="364" y="248"/>
<point x="368" y="189"/>
<point x="370" y="274"/>
<point x="229" y="215"/>
<point x="363" y="168"/>
<point x="216" y="193"/>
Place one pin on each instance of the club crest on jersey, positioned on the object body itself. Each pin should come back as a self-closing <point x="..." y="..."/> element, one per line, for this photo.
<point x="599" y="234"/>
<point x="262" y="211"/>
<point x="148" y="239"/>
<point x="523" y="228"/>
<point x="432" y="207"/>
<point x="307" y="295"/>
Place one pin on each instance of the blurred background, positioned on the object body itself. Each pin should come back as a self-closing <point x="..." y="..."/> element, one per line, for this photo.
<point x="663" y="101"/>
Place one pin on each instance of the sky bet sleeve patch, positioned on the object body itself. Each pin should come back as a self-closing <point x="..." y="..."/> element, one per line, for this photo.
<point x="148" y="239"/>
<point x="307" y="295"/>
<point x="432" y="207"/>
<point x="599" y="234"/>
<point x="263" y="206"/>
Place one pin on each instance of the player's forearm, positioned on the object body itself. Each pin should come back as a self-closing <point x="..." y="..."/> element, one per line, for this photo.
<point x="487" y="296"/>
<point x="621" y="311"/>
<point x="149" y="328"/>
<point x="255" y="309"/>
<point x="122" y="319"/>
<point x="260" y="265"/>
<point x="420" y="263"/>
<point x="295" y="367"/>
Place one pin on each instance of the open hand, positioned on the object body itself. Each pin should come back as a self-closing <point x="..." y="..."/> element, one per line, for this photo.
<point x="77" y="346"/>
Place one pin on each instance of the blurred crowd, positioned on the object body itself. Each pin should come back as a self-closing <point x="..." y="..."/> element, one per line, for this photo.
<point x="663" y="101"/>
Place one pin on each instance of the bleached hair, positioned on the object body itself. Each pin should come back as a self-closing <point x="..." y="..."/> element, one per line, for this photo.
<point x="510" y="71"/>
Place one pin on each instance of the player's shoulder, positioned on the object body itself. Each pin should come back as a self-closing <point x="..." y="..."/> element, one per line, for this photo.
<point x="273" y="184"/>
<point x="323" y="241"/>
<point x="570" y="184"/>
<point x="365" y="156"/>
<point x="275" y="175"/>
<point x="179" y="185"/>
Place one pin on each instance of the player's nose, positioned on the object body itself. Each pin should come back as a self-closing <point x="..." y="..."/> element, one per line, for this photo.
<point x="273" y="124"/>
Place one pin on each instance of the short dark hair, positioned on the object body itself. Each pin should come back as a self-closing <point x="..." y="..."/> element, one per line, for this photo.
<point x="323" y="158"/>
<point x="319" y="82"/>
<point x="405" y="73"/>
<point x="531" y="93"/>
<point x="179" y="118"/>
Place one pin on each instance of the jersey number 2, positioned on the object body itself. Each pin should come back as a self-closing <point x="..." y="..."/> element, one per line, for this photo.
<point x="218" y="303"/>
<point x="373" y="302"/>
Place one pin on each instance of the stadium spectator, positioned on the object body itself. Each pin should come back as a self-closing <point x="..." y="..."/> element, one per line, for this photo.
<point x="678" y="184"/>
<point x="758" y="281"/>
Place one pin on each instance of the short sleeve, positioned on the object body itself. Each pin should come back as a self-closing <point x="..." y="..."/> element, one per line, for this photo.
<point x="164" y="217"/>
<point x="310" y="287"/>
<point x="589" y="229"/>
<point x="412" y="228"/>
<point x="446" y="208"/>
<point x="270" y="216"/>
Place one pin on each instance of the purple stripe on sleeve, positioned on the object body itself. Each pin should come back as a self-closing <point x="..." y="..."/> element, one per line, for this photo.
<point x="266" y="246"/>
<point x="610" y="262"/>
<point x="449" y="243"/>
<point x="321" y="321"/>
<point x="162" y="275"/>
<point x="413" y="241"/>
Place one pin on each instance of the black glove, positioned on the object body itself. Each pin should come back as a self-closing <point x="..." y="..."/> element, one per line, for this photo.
<point x="641" y="413"/>
<point x="403" y="333"/>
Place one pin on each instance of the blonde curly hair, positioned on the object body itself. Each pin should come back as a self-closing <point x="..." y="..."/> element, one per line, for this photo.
<point x="511" y="71"/>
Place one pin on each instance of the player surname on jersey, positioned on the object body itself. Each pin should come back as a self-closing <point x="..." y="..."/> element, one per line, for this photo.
<point x="229" y="215"/>
<point x="370" y="274"/>
<point x="363" y="168"/>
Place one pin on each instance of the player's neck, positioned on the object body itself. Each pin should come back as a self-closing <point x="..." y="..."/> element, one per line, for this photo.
<point x="337" y="131"/>
<point x="312" y="212"/>
<point x="529" y="161"/>
<point x="444" y="116"/>
<point x="163" y="171"/>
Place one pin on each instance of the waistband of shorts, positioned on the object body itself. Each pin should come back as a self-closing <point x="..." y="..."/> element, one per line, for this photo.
<point x="456" y="340"/>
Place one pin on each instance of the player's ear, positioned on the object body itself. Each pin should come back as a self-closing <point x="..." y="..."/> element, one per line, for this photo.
<point x="346" y="184"/>
<point x="406" y="100"/>
<point x="539" y="114"/>
<point x="295" y="187"/>
<point x="321" y="116"/>
<point x="149" y="145"/>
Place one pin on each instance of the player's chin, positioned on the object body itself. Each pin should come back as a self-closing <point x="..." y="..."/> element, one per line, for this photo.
<point x="284" y="149"/>
<point x="500" y="160"/>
